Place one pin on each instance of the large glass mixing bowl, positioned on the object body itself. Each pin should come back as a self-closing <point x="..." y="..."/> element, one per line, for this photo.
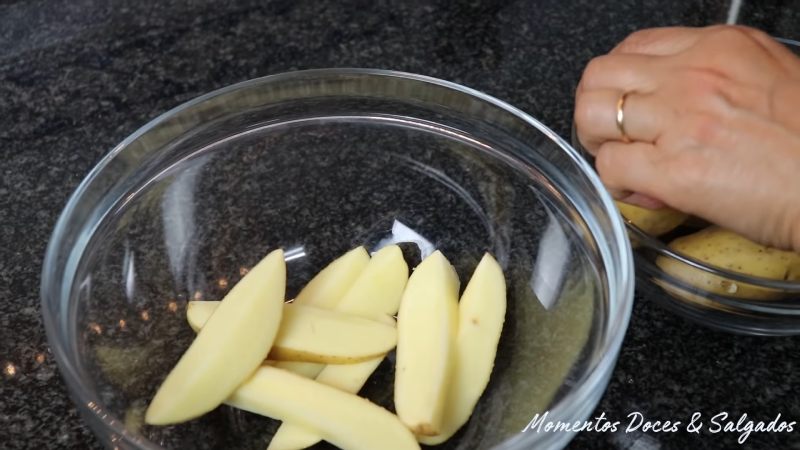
<point x="317" y="162"/>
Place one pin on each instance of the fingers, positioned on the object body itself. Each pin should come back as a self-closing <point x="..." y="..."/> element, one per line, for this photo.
<point x="625" y="72"/>
<point x="629" y="168"/>
<point x="659" y="41"/>
<point x="596" y="117"/>
<point x="642" y="200"/>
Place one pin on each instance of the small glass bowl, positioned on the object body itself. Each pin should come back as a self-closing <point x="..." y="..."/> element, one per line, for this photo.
<point x="771" y="308"/>
<point x="724" y="309"/>
<point x="318" y="162"/>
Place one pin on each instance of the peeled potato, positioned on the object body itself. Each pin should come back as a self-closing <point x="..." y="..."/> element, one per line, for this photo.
<point x="728" y="250"/>
<point x="304" y="369"/>
<point x="481" y="313"/>
<point x="343" y="419"/>
<point x="328" y="287"/>
<point x="375" y="294"/>
<point x="654" y="222"/>
<point x="426" y="329"/>
<point x="233" y="343"/>
<point x="325" y="290"/>
<point x="317" y="335"/>
<point x="379" y="288"/>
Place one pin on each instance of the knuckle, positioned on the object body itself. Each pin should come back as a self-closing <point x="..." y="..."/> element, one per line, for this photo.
<point x="594" y="70"/>
<point x="752" y="32"/>
<point x="641" y="41"/>
<point x="704" y="129"/>
<point x="730" y="36"/>
<point x="636" y="40"/>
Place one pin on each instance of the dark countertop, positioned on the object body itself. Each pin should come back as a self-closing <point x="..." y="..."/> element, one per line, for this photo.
<point x="76" y="78"/>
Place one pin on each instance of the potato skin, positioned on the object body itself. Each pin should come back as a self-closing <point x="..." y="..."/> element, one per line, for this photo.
<point x="728" y="250"/>
<point x="654" y="222"/>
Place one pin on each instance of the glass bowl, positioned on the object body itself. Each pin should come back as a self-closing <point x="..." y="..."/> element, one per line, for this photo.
<point x="318" y="162"/>
<point x="731" y="301"/>
<point x="709" y="295"/>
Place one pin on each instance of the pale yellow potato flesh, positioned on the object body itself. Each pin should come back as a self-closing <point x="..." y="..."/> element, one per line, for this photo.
<point x="427" y="324"/>
<point x="317" y="335"/>
<point x="654" y="222"/>
<point x="231" y="346"/>
<point x="328" y="336"/>
<point x="343" y="419"/>
<point x="304" y="369"/>
<point x="728" y="250"/>
<point x="328" y="287"/>
<point x="481" y="314"/>
<point x="379" y="289"/>
<point x="346" y="378"/>
<point x="376" y="295"/>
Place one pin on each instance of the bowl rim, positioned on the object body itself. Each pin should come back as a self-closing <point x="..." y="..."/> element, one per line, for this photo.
<point x="663" y="249"/>
<point x="620" y="287"/>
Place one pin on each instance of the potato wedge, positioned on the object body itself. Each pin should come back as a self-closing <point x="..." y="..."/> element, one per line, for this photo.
<point x="481" y="314"/>
<point x="317" y="335"/>
<point x="427" y="324"/>
<point x="331" y="337"/>
<point x="304" y="369"/>
<point x="348" y="378"/>
<point x="234" y="342"/>
<point x="376" y="294"/>
<point x="728" y="250"/>
<point x="654" y="222"/>
<point x="343" y="419"/>
<point x="328" y="287"/>
<point x="198" y="313"/>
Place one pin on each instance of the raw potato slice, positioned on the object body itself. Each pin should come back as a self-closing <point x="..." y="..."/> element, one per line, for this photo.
<point x="198" y="313"/>
<point x="326" y="289"/>
<point x="304" y="369"/>
<point x="317" y="335"/>
<point x="426" y="331"/>
<point x="654" y="222"/>
<point x="228" y="350"/>
<point x="376" y="294"/>
<point x="343" y="419"/>
<point x="324" y="336"/>
<point x="348" y="378"/>
<point x="481" y="313"/>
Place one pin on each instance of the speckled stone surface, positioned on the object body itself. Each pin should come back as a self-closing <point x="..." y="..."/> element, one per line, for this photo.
<point x="77" y="77"/>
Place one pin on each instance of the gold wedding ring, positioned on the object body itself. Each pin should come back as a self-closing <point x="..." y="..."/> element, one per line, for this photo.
<point x="621" y="117"/>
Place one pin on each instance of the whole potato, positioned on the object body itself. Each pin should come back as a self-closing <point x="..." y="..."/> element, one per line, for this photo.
<point x="727" y="250"/>
<point x="654" y="222"/>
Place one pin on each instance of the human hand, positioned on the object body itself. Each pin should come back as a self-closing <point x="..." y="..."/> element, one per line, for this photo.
<point x="713" y="118"/>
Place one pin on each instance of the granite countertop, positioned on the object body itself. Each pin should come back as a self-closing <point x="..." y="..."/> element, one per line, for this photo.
<point x="78" y="77"/>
